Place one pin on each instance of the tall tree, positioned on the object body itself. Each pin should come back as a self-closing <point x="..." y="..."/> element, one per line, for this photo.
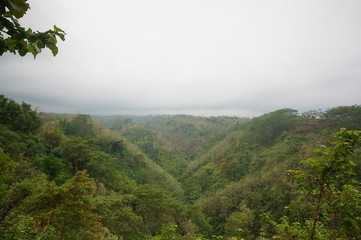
<point x="69" y="209"/>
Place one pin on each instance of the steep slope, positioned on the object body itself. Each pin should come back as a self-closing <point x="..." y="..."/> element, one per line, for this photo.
<point x="148" y="141"/>
<point x="71" y="179"/>
<point x="243" y="180"/>
<point x="189" y="136"/>
<point x="129" y="158"/>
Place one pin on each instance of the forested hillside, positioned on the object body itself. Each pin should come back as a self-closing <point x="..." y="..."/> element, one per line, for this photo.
<point x="179" y="176"/>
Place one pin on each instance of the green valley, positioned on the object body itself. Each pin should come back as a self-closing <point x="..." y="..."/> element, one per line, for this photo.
<point x="283" y="175"/>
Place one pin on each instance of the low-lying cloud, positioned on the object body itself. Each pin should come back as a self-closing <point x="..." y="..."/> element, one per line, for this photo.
<point x="199" y="57"/>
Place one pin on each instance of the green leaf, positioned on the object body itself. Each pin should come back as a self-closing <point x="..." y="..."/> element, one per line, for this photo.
<point x="51" y="36"/>
<point x="56" y="29"/>
<point x="37" y="49"/>
<point x="40" y="44"/>
<point x="18" y="7"/>
<point x="22" y="51"/>
<point x="23" y="43"/>
<point x="61" y="36"/>
<point x="32" y="50"/>
<point x="14" y="6"/>
<point x="8" y="14"/>
<point x="53" y="48"/>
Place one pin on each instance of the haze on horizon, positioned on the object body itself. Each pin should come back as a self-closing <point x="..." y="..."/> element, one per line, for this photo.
<point x="232" y="57"/>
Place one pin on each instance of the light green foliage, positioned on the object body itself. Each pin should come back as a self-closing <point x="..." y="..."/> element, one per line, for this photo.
<point x="168" y="232"/>
<point x="15" y="38"/>
<point x="239" y="223"/>
<point x="250" y="164"/>
<point x="54" y="137"/>
<point x="227" y="161"/>
<point x="264" y="186"/>
<point x="5" y="161"/>
<point x="189" y="136"/>
<point x="22" y="228"/>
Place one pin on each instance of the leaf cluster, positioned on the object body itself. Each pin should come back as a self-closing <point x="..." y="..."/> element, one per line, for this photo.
<point x="16" y="39"/>
<point x="331" y="192"/>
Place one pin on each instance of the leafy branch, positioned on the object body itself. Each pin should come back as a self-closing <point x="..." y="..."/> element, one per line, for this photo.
<point x="328" y="183"/>
<point x="16" y="39"/>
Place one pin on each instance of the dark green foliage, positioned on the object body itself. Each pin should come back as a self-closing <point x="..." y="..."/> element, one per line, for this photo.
<point x="149" y="143"/>
<point x="80" y="125"/>
<point x="10" y="141"/>
<point x="19" y="118"/>
<point x="313" y="114"/>
<point x="53" y="167"/>
<point x="76" y="153"/>
<point x="13" y="196"/>
<point x="36" y="146"/>
<point x="136" y="164"/>
<point x="118" y="215"/>
<point x="156" y="207"/>
<point x="15" y="38"/>
<point x="343" y="117"/>
<point x="265" y="129"/>
<point x="102" y="166"/>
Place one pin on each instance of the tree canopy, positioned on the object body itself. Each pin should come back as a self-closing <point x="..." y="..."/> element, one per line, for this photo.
<point x="66" y="177"/>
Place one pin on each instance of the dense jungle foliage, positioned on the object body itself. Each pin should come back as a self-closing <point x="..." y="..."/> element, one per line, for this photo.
<point x="282" y="175"/>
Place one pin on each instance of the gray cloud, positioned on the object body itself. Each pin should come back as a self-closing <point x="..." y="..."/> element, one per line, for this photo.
<point x="200" y="57"/>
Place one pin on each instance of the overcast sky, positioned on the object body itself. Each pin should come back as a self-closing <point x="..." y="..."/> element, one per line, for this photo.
<point x="210" y="57"/>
